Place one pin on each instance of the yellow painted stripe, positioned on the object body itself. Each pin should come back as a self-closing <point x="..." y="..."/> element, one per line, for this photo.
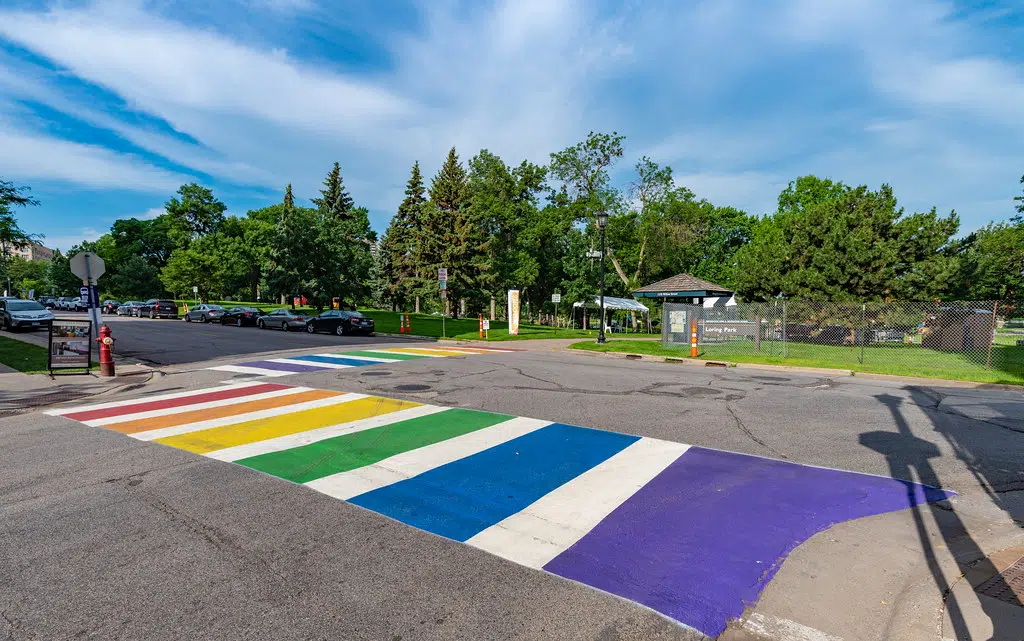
<point x="181" y="418"/>
<point x="413" y="350"/>
<point x="217" y="438"/>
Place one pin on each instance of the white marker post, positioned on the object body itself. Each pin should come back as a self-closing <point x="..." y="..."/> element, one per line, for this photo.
<point x="556" y="298"/>
<point x="442" y="279"/>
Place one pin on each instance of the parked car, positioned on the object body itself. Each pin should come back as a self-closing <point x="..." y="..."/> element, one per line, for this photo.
<point x="59" y="302"/>
<point x="240" y="316"/>
<point x="341" y="323"/>
<point x="109" y="306"/>
<point x="75" y="304"/>
<point x="204" y="313"/>
<point x="158" y="308"/>
<point x="129" y="308"/>
<point x="285" y="319"/>
<point x="23" y="314"/>
<point x="47" y="301"/>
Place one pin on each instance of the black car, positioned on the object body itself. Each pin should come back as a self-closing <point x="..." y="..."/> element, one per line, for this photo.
<point x="110" y="306"/>
<point x="239" y="316"/>
<point x="158" y="308"/>
<point x="47" y="301"/>
<point x="341" y="323"/>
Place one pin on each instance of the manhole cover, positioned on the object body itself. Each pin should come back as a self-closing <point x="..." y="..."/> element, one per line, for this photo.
<point x="412" y="388"/>
<point x="1007" y="586"/>
<point x="376" y="373"/>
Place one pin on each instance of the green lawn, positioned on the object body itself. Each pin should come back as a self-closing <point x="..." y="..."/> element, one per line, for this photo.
<point x="22" y="356"/>
<point x="1007" y="359"/>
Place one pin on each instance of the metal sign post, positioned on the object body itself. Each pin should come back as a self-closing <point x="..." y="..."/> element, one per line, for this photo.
<point x="442" y="279"/>
<point x="89" y="267"/>
<point x="195" y="294"/>
<point x="556" y="298"/>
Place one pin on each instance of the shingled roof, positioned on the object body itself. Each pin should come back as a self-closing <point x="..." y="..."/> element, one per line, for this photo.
<point x="685" y="283"/>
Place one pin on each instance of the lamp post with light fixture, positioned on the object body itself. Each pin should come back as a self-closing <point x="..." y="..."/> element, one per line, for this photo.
<point x="602" y="222"/>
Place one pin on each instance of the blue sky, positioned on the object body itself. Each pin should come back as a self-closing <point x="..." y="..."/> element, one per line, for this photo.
<point x="107" y="106"/>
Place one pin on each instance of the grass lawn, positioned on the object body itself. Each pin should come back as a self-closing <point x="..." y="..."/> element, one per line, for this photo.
<point x="22" y="356"/>
<point x="1007" y="359"/>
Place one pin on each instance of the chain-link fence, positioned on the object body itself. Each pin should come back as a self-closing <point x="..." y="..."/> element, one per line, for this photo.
<point x="915" y="334"/>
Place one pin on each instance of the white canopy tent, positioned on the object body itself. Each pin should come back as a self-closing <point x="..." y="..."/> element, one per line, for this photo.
<point x="611" y="304"/>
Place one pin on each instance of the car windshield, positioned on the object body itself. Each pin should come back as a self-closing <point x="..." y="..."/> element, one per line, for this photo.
<point x="215" y="307"/>
<point x="24" y="306"/>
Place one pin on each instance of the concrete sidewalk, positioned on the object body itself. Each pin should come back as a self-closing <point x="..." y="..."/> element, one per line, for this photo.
<point x="20" y="392"/>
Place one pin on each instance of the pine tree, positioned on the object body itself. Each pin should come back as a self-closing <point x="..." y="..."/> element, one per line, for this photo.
<point x="400" y="242"/>
<point x="289" y="199"/>
<point x="334" y="199"/>
<point x="447" y="238"/>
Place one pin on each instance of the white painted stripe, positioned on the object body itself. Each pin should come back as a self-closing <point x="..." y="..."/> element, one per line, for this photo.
<point x="293" y="361"/>
<point x="146" y="399"/>
<point x="560" y="518"/>
<point x="770" y="627"/>
<point x="241" y="418"/>
<point x="312" y="436"/>
<point x="399" y="467"/>
<point x="361" y="358"/>
<point x="242" y="369"/>
<point x="124" y="418"/>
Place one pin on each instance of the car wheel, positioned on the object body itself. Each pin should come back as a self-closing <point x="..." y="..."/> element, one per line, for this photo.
<point x="203" y="319"/>
<point x="238" y="322"/>
<point x="188" y="319"/>
<point x="260" y="324"/>
<point x="310" y="328"/>
<point x="340" y="330"/>
<point x="152" y="314"/>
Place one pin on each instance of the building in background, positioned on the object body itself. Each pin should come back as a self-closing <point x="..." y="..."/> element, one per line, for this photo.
<point x="31" y="252"/>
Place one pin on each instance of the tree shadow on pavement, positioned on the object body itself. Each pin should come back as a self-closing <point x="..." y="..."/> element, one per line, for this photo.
<point x="989" y="460"/>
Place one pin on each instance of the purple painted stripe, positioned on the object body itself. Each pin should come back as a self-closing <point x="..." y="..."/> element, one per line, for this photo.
<point x="704" y="537"/>
<point x="284" y="367"/>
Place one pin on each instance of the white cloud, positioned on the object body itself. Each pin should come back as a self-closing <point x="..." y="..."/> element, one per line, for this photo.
<point x="150" y="214"/>
<point x="40" y="157"/>
<point x="66" y="241"/>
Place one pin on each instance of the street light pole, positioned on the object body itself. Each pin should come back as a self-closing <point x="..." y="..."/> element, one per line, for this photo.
<point x="602" y="222"/>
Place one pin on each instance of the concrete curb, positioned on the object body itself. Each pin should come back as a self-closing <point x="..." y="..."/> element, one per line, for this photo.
<point x="821" y="371"/>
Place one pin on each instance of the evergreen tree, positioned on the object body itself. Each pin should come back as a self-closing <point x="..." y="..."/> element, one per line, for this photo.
<point x="334" y="199"/>
<point x="446" y="238"/>
<point x="293" y="248"/>
<point x="400" y="240"/>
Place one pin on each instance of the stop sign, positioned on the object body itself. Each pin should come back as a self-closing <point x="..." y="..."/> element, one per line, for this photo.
<point x="87" y="266"/>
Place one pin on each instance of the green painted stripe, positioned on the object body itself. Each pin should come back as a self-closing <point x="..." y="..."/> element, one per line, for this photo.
<point x="351" y="451"/>
<point x="392" y="355"/>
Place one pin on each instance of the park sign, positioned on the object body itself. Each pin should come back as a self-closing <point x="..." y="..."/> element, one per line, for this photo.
<point x="556" y="298"/>
<point x="70" y="346"/>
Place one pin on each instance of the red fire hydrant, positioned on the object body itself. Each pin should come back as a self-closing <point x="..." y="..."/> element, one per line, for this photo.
<point x="106" y="342"/>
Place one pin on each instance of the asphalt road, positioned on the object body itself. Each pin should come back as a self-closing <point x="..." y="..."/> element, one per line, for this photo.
<point x="170" y="342"/>
<point x="108" y="537"/>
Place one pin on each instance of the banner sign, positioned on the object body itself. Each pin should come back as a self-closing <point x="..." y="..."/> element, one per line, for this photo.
<point x="513" y="312"/>
<point x="70" y="344"/>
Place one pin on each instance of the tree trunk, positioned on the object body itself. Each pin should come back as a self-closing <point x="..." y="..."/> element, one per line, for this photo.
<point x="417" y="305"/>
<point x="282" y="299"/>
<point x="462" y="307"/>
<point x="492" y="308"/>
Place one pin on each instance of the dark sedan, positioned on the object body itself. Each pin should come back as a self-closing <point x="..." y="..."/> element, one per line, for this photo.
<point x="110" y="306"/>
<point x="341" y="323"/>
<point x="158" y="308"/>
<point x="285" y="319"/>
<point x="239" y="316"/>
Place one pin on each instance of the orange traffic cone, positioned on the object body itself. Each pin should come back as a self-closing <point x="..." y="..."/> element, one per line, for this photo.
<point x="401" y="324"/>
<point x="408" y="325"/>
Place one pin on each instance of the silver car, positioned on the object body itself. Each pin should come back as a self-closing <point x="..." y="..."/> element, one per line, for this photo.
<point x="204" y="313"/>
<point x="23" y="314"/>
<point x="285" y="319"/>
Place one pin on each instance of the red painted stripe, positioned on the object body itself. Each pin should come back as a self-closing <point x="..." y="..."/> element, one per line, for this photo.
<point x="88" y="415"/>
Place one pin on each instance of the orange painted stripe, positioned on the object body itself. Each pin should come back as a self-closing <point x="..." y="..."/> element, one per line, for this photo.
<point x="183" y="418"/>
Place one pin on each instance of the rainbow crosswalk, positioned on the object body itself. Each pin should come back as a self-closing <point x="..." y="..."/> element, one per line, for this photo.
<point x="274" y="367"/>
<point x="691" y="532"/>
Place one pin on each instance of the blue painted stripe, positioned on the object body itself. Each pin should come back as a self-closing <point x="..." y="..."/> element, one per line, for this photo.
<point x="462" y="498"/>
<point x="340" y="360"/>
